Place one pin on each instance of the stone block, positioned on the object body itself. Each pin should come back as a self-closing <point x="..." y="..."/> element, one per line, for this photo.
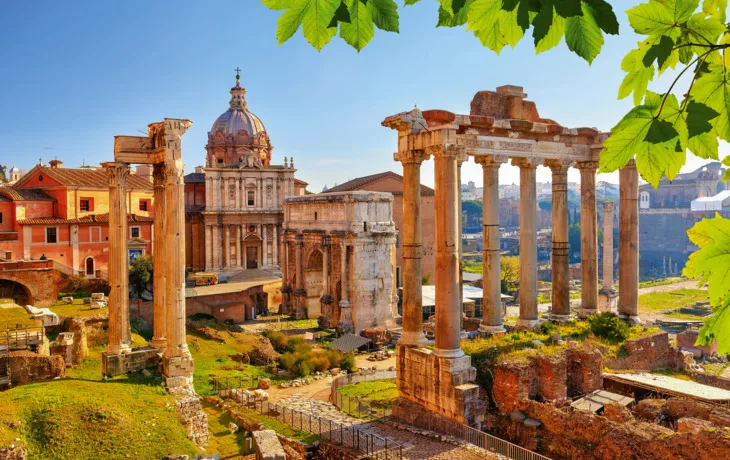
<point x="680" y="408"/>
<point x="134" y="361"/>
<point x="720" y="416"/>
<point x="268" y="446"/>
<point x="688" y="424"/>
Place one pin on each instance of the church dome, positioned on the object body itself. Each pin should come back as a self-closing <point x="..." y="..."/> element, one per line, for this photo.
<point x="238" y="117"/>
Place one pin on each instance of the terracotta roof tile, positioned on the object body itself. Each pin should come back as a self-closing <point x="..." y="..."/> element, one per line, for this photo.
<point x="360" y="182"/>
<point x="194" y="178"/>
<point x="24" y="194"/>
<point x="92" y="178"/>
<point x="92" y="219"/>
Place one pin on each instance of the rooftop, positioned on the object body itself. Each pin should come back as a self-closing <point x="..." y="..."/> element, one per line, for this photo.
<point x="672" y="386"/>
<point x="360" y="182"/>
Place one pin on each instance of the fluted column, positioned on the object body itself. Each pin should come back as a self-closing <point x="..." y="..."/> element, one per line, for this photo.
<point x="326" y="299"/>
<point x="448" y="311"/>
<point x="460" y="159"/>
<point x="345" y="324"/>
<point x="159" y="325"/>
<point x="588" y="238"/>
<point x="119" y="329"/>
<point x="412" y="334"/>
<point x="299" y="293"/>
<point x="491" y="277"/>
<point x="237" y="260"/>
<point x="561" y="251"/>
<point x="275" y="244"/>
<point x="528" y="243"/>
<point x="608" y="208"/>
<point x="237" y="183"/>
<point x="628" y="268"/>
<point x="208" y="248"/>
<point x="226" y="246"/>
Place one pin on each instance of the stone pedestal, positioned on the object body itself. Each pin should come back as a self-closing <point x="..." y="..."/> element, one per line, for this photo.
<point x="607" y="300"/>
<point x="430" y="385"/>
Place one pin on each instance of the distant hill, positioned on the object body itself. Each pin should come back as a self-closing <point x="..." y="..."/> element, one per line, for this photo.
<point x="607" y="191"/>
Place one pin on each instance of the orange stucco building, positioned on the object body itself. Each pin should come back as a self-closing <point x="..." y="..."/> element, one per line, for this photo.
<point x="62" y="214"/>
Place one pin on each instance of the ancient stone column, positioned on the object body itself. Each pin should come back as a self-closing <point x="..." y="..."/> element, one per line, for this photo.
<point x="237" y="260"/>
<point x="628" y="245"/>
<point x="345" y="325"/>
<point x="119" y="330"/>
<point x="159" y="325"/>
<point x="491" y="277"/>
<point x="275" y="244"/>
<point x="208" y="248"/>
<point x="561" y="252"/>
<point x="326" y="299"/>
<point x="227" y="246"/>
<point x="285" y="308"/>
<point x="300" y="294"/>
<point x="265" y="246"/>
<point x="177" y="362"/>
<point x="608" y="207"/>
<point x="460" y="159"/>
<point x="412" y="334"/>
<point x="588" y="238"/>
<point x="448" y="311"/>
<point x="528" y="243"/>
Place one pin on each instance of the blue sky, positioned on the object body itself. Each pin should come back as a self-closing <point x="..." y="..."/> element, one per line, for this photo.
<point x="74" y="74"/>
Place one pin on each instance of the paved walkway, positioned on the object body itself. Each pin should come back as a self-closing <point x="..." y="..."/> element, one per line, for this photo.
<point x="415" y="446"/>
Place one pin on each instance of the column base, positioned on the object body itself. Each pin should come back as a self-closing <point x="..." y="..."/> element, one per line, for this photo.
<point x="607" y="300"/>
<point x="486" y="329"/>
<point x="448" y="353"/>
<point x="122" y="349"/>
<point x="159" y="344"/>
<point x="413" y="339"/>
<point x="178" y="372"/>
<point x="631" y="319"/>
<point x="561" y="319"/>
<point x="526" y="324"/>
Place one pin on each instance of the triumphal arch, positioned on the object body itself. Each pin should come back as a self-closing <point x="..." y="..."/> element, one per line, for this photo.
<point x="161" y="148"/>
<point x="502" y="126"/>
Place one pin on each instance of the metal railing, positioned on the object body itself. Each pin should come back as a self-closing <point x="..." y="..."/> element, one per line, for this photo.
<point x="372" y="445"/>
<point x="358" y="407"/>
<point x="479" y="439"/>
<point x="22" y="338"/>
<point x="230" y="383"/>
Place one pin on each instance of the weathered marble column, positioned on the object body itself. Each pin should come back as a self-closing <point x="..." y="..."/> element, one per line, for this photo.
<point x="528" y="243"/>
<point x="300" y="294"/>
<point x="237" y="260"/>
<point x="561" y="252"/>
<point x="285" y="307"/>
<point x="608" y="207"/>
<point x="448" y="311"/>
<point x="588" y="238"/>
<point x="412" y="334"/>
<point x="491" y="277"/>
<point x="208" y="248"/>
<point x="227" y="246"/>
<point x="326" y="299"/>
<point x="460" y="159"/>
<point x="628" y="245"/>
<point x="177" y="362"/>
<point x="120" y="335"/>
<point x="159" y="324"/>
<point x="345" y="325"/>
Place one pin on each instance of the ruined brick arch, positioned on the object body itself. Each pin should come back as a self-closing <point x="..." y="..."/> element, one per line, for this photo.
<point x="14" y="287"/>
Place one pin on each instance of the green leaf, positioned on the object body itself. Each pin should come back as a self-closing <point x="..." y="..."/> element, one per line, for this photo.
<point x="660" y="131"/>
<point x="698" y="118"/>
<point x="605" y="17"/>
<point x="289" y="22"/>
<point x="360" y="30"/>
<point x="553" y="37"/>
<point x="625" y="138"/>
<point x="638" y="77"/>
<point x="659" y="51"/>
<point x="704" y="146"/>
<point x="568" y="8"/>
<point x="410" y="2"/>
<point x="512" y="32"/>
<point x="716" y="327"/>
<point x="278" y="4"/>
<point x="449" y="20"/>
<point x="316" y="23"/>
<point x="542" y="22"/>
<point x="713" y="89"/>
<point x="385" y="14"/>
<point x="715" y="8"/>
<point x="704" y="30"/>
<point x="712" y="261"/>
<point x="583" y="36"/>
<point x="661" y="17"/>
<point x="341" y="15"/>
<point x="484" y="20"/>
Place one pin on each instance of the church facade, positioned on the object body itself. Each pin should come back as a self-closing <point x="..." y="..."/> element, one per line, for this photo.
<point x="234" y="204"/>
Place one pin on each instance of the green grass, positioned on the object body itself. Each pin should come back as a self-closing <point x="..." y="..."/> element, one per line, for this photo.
<point x="664" y="282"/>
<point x="10" y="317"/>
<point x="83" y="417"/>
<point x="77" y="309"/>
<point x="221" y="441"/>
<point x="271" y="423"/>
<point x="660" y="301"/>
<point x="380" y="392"/>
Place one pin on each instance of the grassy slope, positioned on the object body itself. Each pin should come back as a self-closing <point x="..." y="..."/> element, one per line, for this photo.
<point x="77" y="309"/>
<point x="83" y="417"/>
<point x="14" y="315"/>
<point x="221" y="441"/>
<point x="660" y="301"/>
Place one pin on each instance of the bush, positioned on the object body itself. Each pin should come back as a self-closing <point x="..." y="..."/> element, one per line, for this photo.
<point x="608" y="326"/>
<point x="278" y="340"/>
<point x="298" y="344"/>
<point x="287" y="361"/>
<point x="348" y="362"/>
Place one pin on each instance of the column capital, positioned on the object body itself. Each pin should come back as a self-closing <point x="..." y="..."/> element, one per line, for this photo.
<point x="159" y="174"/>
<point x="526" y="162"/>
<point x="461" y="158"/>
<point x="117" y="172"/>
<point x="411" y="157"/>
<point x="587" y="166"/>
<point x="559" y="166"/>
<point x="447" y="150"/>
<point x="490" y="161"/>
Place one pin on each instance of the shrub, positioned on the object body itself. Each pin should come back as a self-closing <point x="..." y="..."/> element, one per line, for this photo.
<point x="319" y="360"/>
<point x="302" y="368"/>
<point x="278" y="340"/>
<point x="287" y="361"/>
<point x="298" y="344"/>
<point x="348" y="362"/>
<point x="608" y="326"/>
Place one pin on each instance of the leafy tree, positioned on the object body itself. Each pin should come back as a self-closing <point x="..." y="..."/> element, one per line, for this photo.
<point x="140" y="273"/>
<point x="510" y="273"/>
<point x="690" y="115"/>
<point x="3" y="169"/>
<point x="472" y="208"/>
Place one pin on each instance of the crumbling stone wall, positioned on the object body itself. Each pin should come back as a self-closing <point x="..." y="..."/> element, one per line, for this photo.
<point x="88" y="332"/>
<point x="27" y="367"/>
<point x="552" y="377"/>
<point x="17" y="453"/>
<point x="514" y="381"/>
<point x="585" y="371"/>
<point x="195" y="420"/>
<point x="649" y="353"/>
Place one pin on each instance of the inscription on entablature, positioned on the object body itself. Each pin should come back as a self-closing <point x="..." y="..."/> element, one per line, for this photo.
<point x="508" y="146"/>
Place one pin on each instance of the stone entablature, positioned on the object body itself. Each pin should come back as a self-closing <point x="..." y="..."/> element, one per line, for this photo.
<point x="339" y="251"/>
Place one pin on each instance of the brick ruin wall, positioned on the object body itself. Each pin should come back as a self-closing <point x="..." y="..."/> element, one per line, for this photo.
<point x="649" y="353"/>
<point x="28" y="367"/>
<point x="194" y="419"/>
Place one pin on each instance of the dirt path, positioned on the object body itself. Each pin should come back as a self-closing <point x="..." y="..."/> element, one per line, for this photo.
<point x="689" y="284"/>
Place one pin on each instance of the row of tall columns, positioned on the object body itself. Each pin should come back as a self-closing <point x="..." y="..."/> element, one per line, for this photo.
<point x="448" y="297"/>
<point x="218" y="192"/>
<point x="220" y="255"/>
<point x="628" y="246"/>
